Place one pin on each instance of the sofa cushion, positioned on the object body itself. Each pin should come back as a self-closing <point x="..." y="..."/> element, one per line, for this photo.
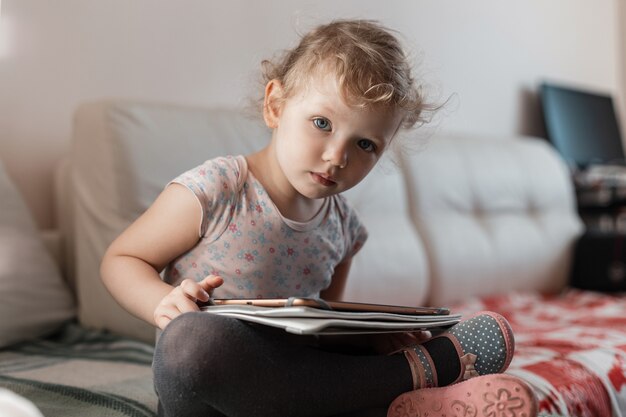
<point x="496" y="215"/>
<point x="391" y="268"/>
<point x="34" y="299"/>
<point x="123" y="154"/>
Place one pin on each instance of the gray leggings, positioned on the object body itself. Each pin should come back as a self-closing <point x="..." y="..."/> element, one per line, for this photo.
<point x="207" y="365"/>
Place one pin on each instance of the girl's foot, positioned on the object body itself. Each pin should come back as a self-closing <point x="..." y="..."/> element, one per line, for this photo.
<point x="488" y="395"/>
<point x="482" y="344"/>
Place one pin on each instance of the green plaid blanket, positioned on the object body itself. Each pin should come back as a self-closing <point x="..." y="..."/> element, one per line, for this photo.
<point x="82" y="373"/>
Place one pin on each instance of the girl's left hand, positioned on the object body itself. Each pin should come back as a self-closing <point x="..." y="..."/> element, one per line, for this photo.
<point x="184" y="298"/>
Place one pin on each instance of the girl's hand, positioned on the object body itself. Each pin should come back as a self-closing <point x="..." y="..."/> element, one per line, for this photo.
<point x="183" y="298"/>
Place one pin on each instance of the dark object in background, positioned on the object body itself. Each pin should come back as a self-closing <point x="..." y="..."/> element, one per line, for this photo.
<point x="582" y="125"/>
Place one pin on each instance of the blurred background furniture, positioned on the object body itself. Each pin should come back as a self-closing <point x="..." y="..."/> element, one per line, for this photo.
<point x="583" y="126"/>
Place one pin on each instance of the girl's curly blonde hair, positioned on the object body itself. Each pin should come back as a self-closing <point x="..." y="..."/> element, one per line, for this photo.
<point x="371" y="66"/>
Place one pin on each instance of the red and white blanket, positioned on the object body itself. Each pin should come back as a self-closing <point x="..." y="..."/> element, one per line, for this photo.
<point x="570" y="347"/>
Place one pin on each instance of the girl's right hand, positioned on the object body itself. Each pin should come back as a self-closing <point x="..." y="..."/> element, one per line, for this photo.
<point x="183" y="298"/>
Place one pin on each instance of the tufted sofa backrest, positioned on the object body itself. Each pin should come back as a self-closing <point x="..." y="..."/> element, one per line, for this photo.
<point x="495" y="215"/>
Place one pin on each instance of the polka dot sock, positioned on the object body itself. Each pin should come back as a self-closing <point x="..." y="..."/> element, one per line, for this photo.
<point x="482" y="344"/>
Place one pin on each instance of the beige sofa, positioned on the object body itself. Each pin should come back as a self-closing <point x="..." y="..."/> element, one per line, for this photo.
<point x="466" y="222"/>
<point x="460" y="217"/>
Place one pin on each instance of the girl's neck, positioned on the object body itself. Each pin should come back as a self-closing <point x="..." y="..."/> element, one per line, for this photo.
<point x="291" y="204"/>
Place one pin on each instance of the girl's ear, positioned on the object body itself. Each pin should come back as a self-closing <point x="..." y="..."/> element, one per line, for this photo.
<point x="272" y="103"/>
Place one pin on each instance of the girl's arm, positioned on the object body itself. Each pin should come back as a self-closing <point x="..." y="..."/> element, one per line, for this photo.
<point x="335" y="290"/>
<point x="131" y="265"/>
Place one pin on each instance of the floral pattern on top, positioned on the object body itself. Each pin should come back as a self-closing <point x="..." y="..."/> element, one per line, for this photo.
<point x="259" y="253"/>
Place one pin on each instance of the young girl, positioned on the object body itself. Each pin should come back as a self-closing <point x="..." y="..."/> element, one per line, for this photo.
<point x="274" y="225"/>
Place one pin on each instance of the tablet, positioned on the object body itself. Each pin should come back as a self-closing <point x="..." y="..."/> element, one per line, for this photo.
<point x="332" y="305"/>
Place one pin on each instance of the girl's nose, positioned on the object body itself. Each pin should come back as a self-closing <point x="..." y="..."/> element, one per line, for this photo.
<point x="336" y="154"/>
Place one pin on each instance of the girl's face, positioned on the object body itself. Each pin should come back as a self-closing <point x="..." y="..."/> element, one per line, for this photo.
<point x="323" y="145"/>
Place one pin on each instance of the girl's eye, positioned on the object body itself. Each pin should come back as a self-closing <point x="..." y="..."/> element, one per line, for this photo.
<point x="367" y="145"/>
<point x="321" y="123"/>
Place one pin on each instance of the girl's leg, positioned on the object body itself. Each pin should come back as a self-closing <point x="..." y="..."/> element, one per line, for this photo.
<point x="372" y="412"/>
<point x="217" y="366"/>
<point x="479" y="349"/>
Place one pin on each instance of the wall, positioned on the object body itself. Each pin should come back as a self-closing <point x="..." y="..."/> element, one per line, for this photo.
<point x="488" y="54"/>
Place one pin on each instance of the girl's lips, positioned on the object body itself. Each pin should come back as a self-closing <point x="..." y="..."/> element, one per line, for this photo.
<point x="322" y="179"/>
